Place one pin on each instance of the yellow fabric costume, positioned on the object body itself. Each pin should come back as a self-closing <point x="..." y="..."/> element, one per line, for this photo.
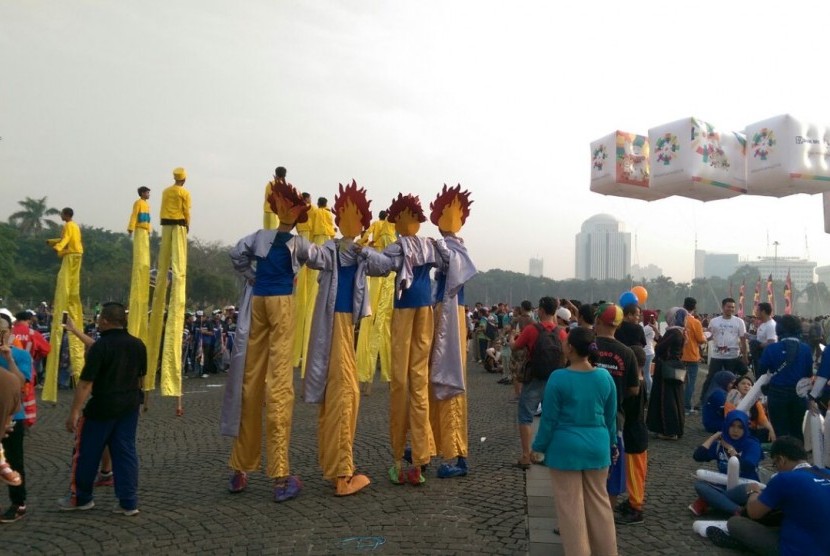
<point x="270" y="221"/>
<point x="139" y="226"/>
<point x="306" y="280"/>
<point x="448" y="418"/>
<point x="175" y="223"/>
<point x="67" y="298"/>
<point x="268" y="380"/>
<point x="322" y="230"/>
<point x="374" y="339"/>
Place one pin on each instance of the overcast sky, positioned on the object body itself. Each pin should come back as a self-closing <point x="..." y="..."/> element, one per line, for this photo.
<point x="100" y="97"/>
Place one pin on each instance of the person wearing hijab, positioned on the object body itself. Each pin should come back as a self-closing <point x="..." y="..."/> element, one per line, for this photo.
<point x="715" y="400"/>
<point x="666" y="416"/>
<point x="790" y="361"/>
<point x="733" y="440"/>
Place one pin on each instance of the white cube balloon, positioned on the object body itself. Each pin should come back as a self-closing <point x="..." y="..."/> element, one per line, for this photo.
<point x="619" y="166"/>
<point x="692" y="158"/>
<point x="787" y="156"/>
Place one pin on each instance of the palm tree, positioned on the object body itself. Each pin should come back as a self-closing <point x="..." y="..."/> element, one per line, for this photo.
<point x="32" y="219"/>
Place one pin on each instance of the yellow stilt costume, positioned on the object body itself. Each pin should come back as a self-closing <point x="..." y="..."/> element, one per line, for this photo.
<point x="412" y="258"/>
<point x="139" y="228"/>
<point x="331" y="373"/>
<point x="306" y="278"/>
<point x="67" y="298"/>
<point x="175" y="223"/>
<point x="322" y="230"/>
<point x="270" y="220"/>
<point x="448" y="363"/>
<point x="374" y="339"/>
<point x="269" y="259"/>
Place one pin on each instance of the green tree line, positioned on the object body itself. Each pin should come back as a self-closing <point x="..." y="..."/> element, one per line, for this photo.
<point x="29" y="267"/>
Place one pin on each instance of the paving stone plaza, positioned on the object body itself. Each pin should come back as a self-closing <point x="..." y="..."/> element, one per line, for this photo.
<point x="185" y="506"/>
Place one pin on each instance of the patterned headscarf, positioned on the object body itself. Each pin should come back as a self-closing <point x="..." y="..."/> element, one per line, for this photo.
<point x="676" y="317"/>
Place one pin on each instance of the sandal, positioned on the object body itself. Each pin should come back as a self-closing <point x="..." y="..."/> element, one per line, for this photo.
<point x="179" y="412"/>
<point x="522" y="465"/>
<point x="9" y="475"/>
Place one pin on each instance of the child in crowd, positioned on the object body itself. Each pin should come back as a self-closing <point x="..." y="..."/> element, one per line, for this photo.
<point x="759" y="424"/>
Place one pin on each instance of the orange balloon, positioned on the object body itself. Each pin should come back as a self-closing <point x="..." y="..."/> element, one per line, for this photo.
<point x="641" y="293"/>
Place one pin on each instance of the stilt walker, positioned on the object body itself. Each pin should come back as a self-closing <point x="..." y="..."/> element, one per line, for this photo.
<point x="331" y="373"/>
<point x="374" y="339"/>
<point x="139" y="228"/>
<point x="322" y="230"/>
<point x="70" y="249"/>
<point x="270" y="221"/>
<point x="306" y="278"/>
<point x="260" y="373"/>
<point x="412" y="258"/>
<point x="448" y="365"/>
<point x="175" y="224"/>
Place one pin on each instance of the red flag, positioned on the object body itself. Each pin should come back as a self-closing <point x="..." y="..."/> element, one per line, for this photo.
<point x="770" y="294"/>
<point x="788" y="295"/>
<point x="741" y="299"/>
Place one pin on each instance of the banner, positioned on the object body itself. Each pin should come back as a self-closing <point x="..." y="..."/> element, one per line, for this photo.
<point x="770" y="294"/>
<point x="741" y="298"/>
<point x="788" y="295"/>
<point x="757" y="298"/>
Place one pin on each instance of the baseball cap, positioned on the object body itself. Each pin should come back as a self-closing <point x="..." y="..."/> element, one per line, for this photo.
<point x="563" y="313"/>
<point x="609" y="314"/>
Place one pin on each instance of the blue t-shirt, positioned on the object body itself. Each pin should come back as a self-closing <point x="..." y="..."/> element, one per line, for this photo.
<point x="344" y="303"/>
<point x="441" y="286"/>
<point x="712" y="411"/>
<point x="796" y="358"/>
<point x="804" y="498"/>
<point x="419" y="292"/>
<point x="275" y="272"/>
<point x="24" y="362"/>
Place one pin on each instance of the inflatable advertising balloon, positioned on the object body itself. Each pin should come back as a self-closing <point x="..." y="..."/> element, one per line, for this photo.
<point x="692" y="158"/>
<point x="619" y="166"/>
<point x="786" y="156"/>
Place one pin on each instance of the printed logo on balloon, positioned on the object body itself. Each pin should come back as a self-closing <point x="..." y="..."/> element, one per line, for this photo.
<point x="667" y="147"/>
<point x="763" y="143"/>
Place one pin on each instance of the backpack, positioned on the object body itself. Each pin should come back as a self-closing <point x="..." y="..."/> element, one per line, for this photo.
<point x="547" y="354"/>
<point x="491" y="331"/>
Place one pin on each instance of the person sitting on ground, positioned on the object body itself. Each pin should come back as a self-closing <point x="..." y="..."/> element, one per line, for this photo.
<point x="734" y="440"/>
<point x="715" y="399"/>
<point x="492" y="358"/>
<point x="759" y="423"/>
<point x="800" y="492"/>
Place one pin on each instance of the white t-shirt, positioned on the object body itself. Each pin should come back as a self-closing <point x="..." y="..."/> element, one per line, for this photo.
<point x="726" y="337"/>
<point x="766" y="333"/>
<point x="649" y="332"/>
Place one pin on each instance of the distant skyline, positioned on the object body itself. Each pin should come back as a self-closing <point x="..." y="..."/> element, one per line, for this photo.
<point x="100" y="97"/>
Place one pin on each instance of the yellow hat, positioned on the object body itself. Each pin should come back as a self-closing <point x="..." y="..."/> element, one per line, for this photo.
<point x="179" y="174"/>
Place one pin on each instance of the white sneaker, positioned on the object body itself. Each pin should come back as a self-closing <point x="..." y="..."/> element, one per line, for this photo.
<point x="538" y="411"/>
<point x="129" y="513"/>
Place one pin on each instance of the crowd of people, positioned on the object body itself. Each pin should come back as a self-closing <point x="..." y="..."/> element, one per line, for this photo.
<point x="595" y="424"/>
<point x="602" y="377"/>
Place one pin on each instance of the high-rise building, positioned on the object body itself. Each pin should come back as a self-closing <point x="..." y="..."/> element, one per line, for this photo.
<point x="536" y="267"/>
<point x="603" y="249"/>
<point x="648" y="272"/>
<point x="711" y="265"/>
<point x="801" y="270"/>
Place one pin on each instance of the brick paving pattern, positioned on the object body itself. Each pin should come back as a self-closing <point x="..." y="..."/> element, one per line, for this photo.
<point x="185" y="506"/>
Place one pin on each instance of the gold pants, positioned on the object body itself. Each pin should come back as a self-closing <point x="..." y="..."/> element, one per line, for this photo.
<point x="337" y="422"/>
<point x="268" y="378"/>
<point x="67" y="298"/>
<point x="305" y="310"/>
<point x="172" y="255"/>
<point x="138" y="321"/>
<point x="409" y="389"/>
<point x="378" y="340"/>
<point x="449" y="417"/>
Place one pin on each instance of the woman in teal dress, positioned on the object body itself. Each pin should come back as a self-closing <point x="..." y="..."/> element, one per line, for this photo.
<point x="577" y="434"/>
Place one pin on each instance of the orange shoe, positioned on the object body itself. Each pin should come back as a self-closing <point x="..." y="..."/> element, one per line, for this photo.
<point x="351" y="485"/>
<point x="179" y="412"/>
